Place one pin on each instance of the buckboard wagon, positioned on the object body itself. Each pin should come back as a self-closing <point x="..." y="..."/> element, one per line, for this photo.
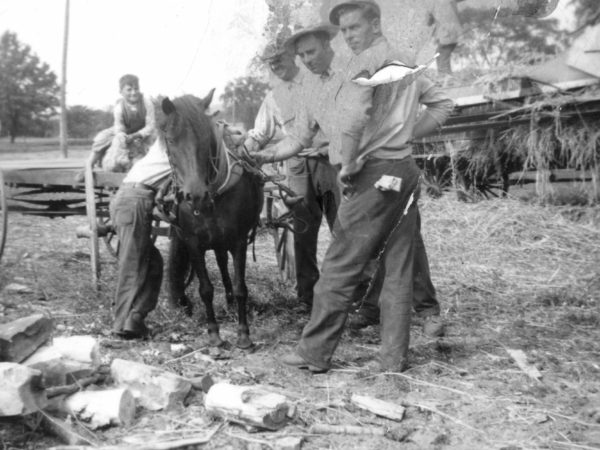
<point x="48" y="188"/>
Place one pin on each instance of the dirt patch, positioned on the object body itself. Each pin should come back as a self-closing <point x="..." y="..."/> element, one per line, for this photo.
<point x="509" y="275"/>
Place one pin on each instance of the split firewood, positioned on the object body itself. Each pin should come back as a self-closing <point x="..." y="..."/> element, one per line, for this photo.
<point x="21" y="390"/>
<point x="84" y="349"/>
<point x="521" y="359"/>
<point x="152" y="387"/>
<point x="250" y="405"/>
<point x="21" y="337"/>
<point x="103" y="408"/>
<point x="379" y="407"/>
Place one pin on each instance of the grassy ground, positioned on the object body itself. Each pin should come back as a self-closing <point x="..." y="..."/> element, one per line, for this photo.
<point x="509" y="274"/>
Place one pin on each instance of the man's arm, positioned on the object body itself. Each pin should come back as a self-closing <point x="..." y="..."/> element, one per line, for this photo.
<point x="150" y="120"/>
<point x="265" y="125"/>
<point x="283" y="150"/>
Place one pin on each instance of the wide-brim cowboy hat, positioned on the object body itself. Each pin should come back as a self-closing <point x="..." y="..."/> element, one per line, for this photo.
<point x="335" y="11"/>
<point x="323" y="28"/>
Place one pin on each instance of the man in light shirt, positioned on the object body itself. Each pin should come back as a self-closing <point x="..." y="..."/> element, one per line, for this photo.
<point x="374" y="128"/>
<point x="310" y="175"/>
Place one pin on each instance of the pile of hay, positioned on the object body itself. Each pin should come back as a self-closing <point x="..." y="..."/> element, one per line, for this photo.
<point x="510" y="251"/>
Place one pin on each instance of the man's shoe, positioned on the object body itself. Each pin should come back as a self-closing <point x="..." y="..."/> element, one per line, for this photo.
<point x="295" y="360"/>
<point x="134" y="327"/>
<point x="433" y="326"/>
<point x="358" y="321"/>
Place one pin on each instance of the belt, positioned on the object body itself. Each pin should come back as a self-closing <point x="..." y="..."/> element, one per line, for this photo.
<point x="143" y="186"/>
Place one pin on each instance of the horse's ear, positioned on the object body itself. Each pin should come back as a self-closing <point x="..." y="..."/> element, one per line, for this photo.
<point x="206" y="100"/>
<point x="167" y="106"/>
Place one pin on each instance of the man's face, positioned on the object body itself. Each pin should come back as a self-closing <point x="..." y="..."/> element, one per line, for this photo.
<point x="314" y="54"/>
<point x="283" y="66"/>
<point x="130" y="93"/>
<point x="359" y="33"/>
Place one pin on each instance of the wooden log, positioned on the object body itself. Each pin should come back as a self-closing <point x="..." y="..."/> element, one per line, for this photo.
<point x="152" y="387"/>
<point x="103" y="408"/>
<point x="83" y="349"/>
<point x="21" y="390"/>
<point x="250" y="405"/>
<point x="22" y="337"/>
<point x="379" y="407"/>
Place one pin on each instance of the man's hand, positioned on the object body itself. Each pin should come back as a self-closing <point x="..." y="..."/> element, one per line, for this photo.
<point x="349" y="170"/>
<point x="251" y="145"/>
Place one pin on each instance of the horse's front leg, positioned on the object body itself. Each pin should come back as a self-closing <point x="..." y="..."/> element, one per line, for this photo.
<point x="240" y="292"/>
<point x="178" y="266"/>
<point x="222" y="261"/>
<point x="207" y="292"/>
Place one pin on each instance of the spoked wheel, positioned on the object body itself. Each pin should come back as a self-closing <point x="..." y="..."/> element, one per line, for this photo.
<point x="3" y="215"/>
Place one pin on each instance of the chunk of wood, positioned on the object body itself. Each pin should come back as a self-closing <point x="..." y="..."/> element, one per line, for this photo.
<point x="84" y="349"/>
<point x="521" y="359"/>
<point x="103" y="408"/>
<point x="379" y="407"/>
<point x="66" y="359"/>
<point x="22" y="337"/>
<point x="21" y="390"/>
<point x="250" y="405"/>
<point x="153" y="388"/>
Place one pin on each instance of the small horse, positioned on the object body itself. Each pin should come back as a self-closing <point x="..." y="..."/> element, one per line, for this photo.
<point x="216" y="209"/>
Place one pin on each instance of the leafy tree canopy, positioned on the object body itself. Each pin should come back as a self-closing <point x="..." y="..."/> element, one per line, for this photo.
<point x="28" y="88"/>
<point x="242" y="97"/>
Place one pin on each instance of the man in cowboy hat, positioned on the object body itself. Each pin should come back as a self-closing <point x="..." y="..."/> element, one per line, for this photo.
<point x="310" y="174"/>
<point x="379" y="216"/>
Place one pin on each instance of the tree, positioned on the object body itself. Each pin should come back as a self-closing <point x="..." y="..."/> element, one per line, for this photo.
<point x="84" y="122"/>
<point x="242" y="97"/>
<point x="28" y="88"/>
<point x="496" y="42"/>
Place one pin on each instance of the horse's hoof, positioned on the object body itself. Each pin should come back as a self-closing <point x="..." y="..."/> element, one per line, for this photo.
<point x="244" y="343"/>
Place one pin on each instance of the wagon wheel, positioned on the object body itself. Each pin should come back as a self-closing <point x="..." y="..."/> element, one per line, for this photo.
<point x="3" y="215"/>
<point x="283" y="240"/>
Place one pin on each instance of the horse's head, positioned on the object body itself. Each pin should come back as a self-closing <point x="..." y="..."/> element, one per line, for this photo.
<point x="190" y="139"/>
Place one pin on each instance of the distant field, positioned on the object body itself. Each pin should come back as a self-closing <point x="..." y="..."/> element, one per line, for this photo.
<point x="42" y="148"/>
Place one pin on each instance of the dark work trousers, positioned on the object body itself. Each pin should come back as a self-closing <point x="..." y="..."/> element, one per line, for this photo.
<point x="369" y="222"/>
<point x="425" y="302"/>
<point x="140" y="263"/>
<point x="444" y="65"/>
<point x="315" y="179"/>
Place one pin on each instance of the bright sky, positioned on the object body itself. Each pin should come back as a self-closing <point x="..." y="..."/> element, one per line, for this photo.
<point x="174" y="46"/>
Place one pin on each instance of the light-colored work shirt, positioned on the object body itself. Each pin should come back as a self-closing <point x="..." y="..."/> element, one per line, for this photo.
<point x="383" y="118"/>
<point x="279" y="111"/>
<point x="317" y="116"/>
<point x="153" y="168"/>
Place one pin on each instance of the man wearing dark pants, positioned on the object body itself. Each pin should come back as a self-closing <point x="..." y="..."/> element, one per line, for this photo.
<point x="378" y="216"/>
<point x="310" y="174"/>
<point x="140" y="263"/>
